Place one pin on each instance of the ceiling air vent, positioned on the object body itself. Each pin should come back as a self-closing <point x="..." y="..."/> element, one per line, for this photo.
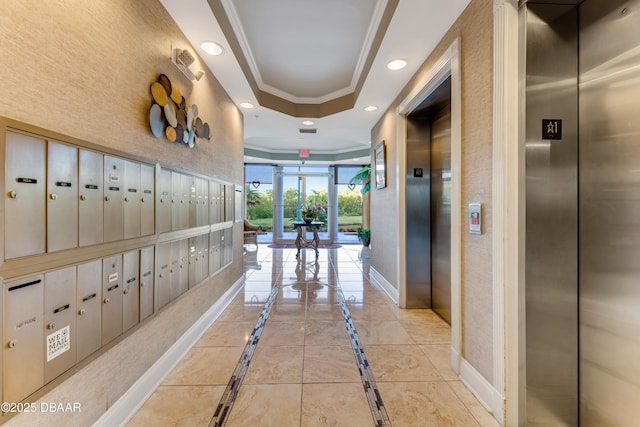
<point x="308" y="130"/>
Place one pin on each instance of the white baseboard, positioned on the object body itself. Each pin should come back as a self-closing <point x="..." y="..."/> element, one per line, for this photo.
<point x="486" y="394"/>
<point x="124" y="408"/>
<point x="379" y="280"/>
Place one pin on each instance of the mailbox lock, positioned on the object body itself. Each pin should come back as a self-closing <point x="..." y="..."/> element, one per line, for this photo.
<point x="126" y="199"/>
<point x="51" y="325"/>
<point x="12" y="343"/>
<point x="53" y="196"/>
<point x="107" y="198"/>
<point x="141" y="284"/>
<point x="107" y="300"/>
<point x="126" y="291"/>
<point x="142" y="199"/>
<point x="81" y="312"/>
<point x="13" y="194"/>
<point x="83" y="197"/>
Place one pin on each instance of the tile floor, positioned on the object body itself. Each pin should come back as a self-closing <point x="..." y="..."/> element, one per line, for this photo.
<point x="303" y="371"/>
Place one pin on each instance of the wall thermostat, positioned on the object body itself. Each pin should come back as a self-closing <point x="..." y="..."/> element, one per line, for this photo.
<point x="475" y="218"/>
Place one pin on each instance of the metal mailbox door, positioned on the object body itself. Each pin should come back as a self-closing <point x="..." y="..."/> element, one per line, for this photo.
<point x="147" y="200"/>
<point x="180" y="268"/>
<point x="60" y="337"/>
<point x="176" y="201"/>
<point x="23" y="348"/>
<point x="89" y="308"/>
<point x="227" y="252"/>
<point x="146" y="282"/>
<point x="132" y="211"/>
<point x="131" y="291"/>
<point x="202" y="246"/>
<point x="193" y="262"/>
<point x="163" y="278"/>
<point x="193" y="201"/>
<point x="24" y="209"/>
<point x="164" y="201"/>
<point x="90" y="205"/>
<point x="112" y="284"/>
<point x="204" y="201"/>
<point x="62" y="197"/>
<point x="214" y="202"/>
<point x="185" y="191"/>
<point x="113" y="199"/>
<point x="229" y="195"/>
<point x="214" y="252"/>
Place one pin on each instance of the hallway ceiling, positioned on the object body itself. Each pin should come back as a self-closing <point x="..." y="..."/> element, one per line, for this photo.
<point x="323" y="61"/>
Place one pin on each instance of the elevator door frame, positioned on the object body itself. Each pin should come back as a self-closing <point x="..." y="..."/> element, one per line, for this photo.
<point x="447" y="65"/>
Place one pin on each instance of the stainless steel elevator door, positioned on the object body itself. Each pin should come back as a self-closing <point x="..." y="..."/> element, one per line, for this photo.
<point x="441" y="213"/>
<point x="609" y="162"/>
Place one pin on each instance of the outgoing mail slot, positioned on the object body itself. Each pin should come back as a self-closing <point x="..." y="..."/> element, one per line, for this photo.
<point x="60" y="338"/>
<point x="146" y="282"/>
<point x="147" y="200"/>
<point x="131" y="199"/>
<point x="214" y="252"/>
<point x="131" y="291"/>
<point x="176" y="201"/>
<point x="164" y="201"/>
<point x="114" y="190"/>
<point x="112" y="284"/>
<point x="180" y="268"/>
<point x="90" y="203"/>
<point x="24" y="207"/>
<point x="89" y="308"/>
<point x="163" y="276"/>
<point x="23" y="349"/>
<point x="193" y="201"/>
<point x="62" y="197"/>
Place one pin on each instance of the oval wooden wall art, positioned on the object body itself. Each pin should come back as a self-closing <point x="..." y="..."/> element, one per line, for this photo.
<point x="170" y="116"/>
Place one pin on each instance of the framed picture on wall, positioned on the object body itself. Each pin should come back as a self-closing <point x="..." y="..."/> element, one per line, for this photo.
<point x="381" y="165"/>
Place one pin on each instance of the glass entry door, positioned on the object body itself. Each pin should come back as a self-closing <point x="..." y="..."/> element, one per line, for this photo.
<point x="305" y="189"/>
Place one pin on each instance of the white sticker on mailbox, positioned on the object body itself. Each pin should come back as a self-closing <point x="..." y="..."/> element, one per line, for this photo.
<point x="58" y="342"/>
<point x="113" y="277"/>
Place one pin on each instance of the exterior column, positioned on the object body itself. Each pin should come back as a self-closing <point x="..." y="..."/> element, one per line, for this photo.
<point x="278" y="204"/>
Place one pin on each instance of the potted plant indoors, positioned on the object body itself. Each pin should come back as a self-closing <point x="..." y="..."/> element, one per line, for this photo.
<point x="365" y="236"/>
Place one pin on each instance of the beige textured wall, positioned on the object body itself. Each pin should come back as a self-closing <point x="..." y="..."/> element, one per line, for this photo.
<point x="83" y="69"/>
<point x="475" y="30"/>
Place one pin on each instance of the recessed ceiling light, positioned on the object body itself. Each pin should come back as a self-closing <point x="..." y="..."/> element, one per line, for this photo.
<point x="308" y="123"/>
<point x="397" y="64"/>
<point x="212" y="48"/>
<point x="370" y="108"/>
<point x="246" y="105"/>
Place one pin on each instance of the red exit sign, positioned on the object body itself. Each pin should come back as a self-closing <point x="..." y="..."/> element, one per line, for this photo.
<point x="303" y="153"/>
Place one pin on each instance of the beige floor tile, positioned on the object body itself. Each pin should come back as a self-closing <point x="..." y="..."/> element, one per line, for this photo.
<point x="275" y="365"/>
<point x="424" y="404"/>
<point x="267" y="406"/>
<point x="222" y="334"/>
<point x="282" y="333"/>
<point x="205" y="366"/>
<point x="382" y="332"/>
<point x="479" y="412"/>
<point x="240" y="313"/>
<point x="372" y="312"/>
<point x="330" y="365"/>
<point x="184" y="406"/>
<point x="440" y="356"/>
<point x="325" y="312"/>
<point x="326" y="333"/>
<point x="247" y="297"/>
<point x="287" y="313"/>
<point x="425" y="314"/>
<point x="339" y="405"/>
<point x="366" y="297"/>
<point x="428" y="332"/>
<point x="400" y="363"/>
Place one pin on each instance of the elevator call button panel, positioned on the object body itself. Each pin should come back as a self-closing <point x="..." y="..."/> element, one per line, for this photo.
<point x="475" y="218"/>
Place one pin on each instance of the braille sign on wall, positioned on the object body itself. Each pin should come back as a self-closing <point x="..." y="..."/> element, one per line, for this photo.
<point x="551" y="129"/>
